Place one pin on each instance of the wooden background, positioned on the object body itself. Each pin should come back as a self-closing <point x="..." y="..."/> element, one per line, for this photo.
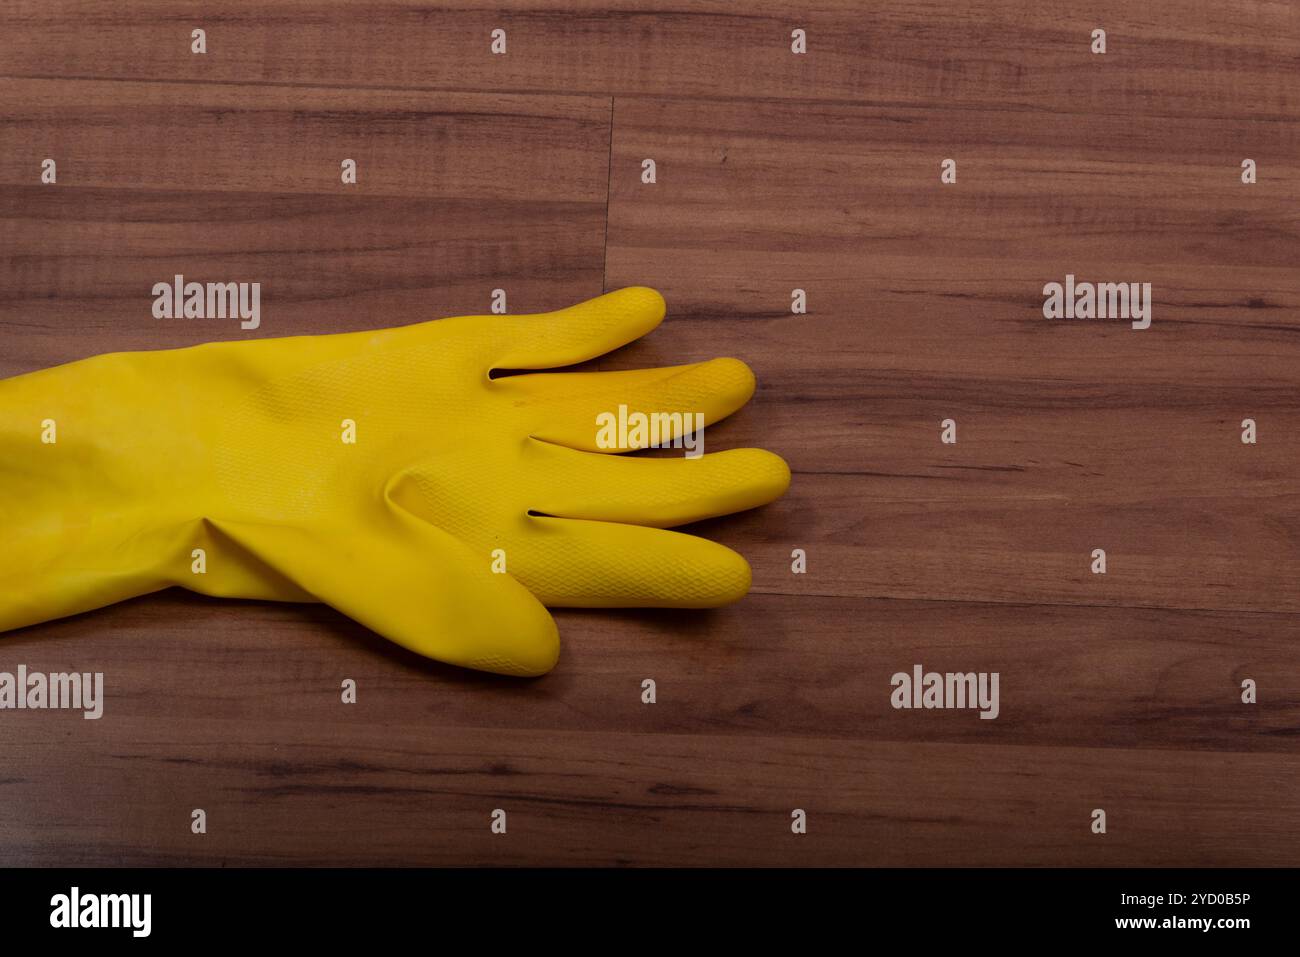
<point x="775" y="171"/>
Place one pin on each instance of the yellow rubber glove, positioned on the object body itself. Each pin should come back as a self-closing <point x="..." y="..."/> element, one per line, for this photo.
<point x="384" y="473"/>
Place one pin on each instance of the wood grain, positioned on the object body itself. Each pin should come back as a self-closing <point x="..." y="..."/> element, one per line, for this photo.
<point x="926" y="304"/>
<point x="410" y="774"/>
<point x="1082" y="676"/>
<point x="216" y="182"/>
<point x="775" y="172"/>
<point x="1172" y="57"/>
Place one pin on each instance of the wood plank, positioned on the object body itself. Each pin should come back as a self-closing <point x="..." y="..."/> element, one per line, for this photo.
<point x="351" y="791"/>
<point x="926" y="304"/>
<point x="457" y="194"/>
<point x="795" y="663"/>
<point x="1177" y="57"/>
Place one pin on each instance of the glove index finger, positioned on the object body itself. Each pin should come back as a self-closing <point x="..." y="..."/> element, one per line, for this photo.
<point x="584" y="331"/>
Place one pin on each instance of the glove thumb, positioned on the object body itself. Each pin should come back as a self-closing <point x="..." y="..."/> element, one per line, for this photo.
<point x="416" y="585"/>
